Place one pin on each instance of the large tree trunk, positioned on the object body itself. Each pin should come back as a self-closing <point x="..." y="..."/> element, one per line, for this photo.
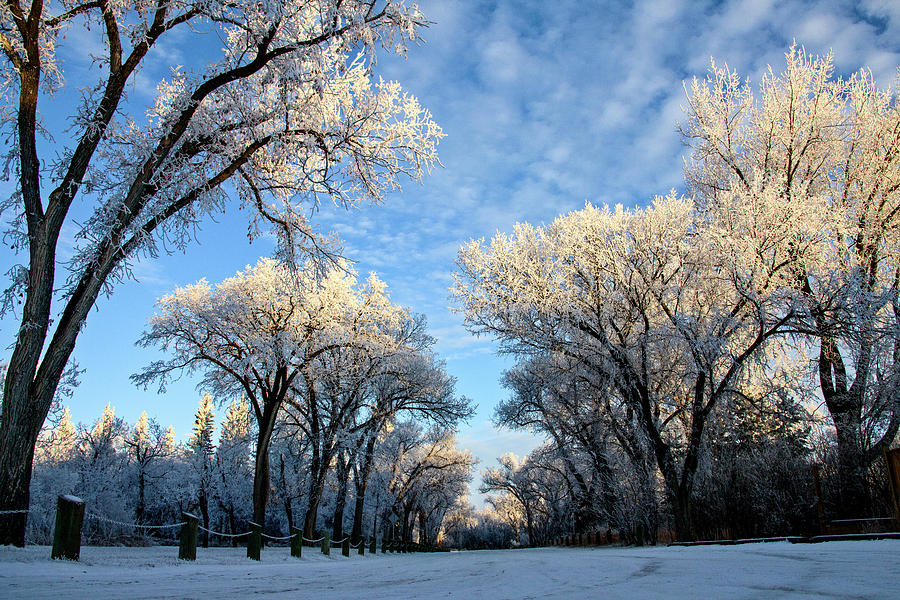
<point x="203" y="500"/>
<point x="362" y="482"/>
<point x="855" y="499"/>
<point x="261" y="481"/>
<point x="423" y="528"/>
<point x="319" y="471"/>
<point x="312" y="515"/>
<point x="16" y="458"/>
<point x="844" y="402"/>
<point x="341" y="500"/>
<point x="232" y="524"/>
<point x="286" y="501"/>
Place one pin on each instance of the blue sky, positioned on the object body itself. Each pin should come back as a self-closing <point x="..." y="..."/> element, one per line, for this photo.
<point x="546" y="105"/>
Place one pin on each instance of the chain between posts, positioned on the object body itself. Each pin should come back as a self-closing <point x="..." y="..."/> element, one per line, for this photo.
<point x="279" y="539"/>
<point x="228" y="535"/>
<point x="137" y="525"/>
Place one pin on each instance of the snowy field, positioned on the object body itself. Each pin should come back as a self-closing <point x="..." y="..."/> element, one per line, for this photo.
<point x="867" y="569"/>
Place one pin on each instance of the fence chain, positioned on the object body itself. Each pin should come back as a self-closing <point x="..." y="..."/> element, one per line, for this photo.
<point x="336" y="542"/>
<point x="228" y="535"/>
<point x="99" y="518"/>
<point x="278" y="539"/>
<point x="309" y="541"/>
<point x="14" y="512"/>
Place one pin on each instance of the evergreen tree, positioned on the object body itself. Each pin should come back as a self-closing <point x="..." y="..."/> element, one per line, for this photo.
<point x="201" y="449"/>
<point x="233" y="468"/>
<point x="61" y="441"/>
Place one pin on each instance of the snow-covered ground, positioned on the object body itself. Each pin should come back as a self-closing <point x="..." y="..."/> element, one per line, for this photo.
<point x="776" y="570"/>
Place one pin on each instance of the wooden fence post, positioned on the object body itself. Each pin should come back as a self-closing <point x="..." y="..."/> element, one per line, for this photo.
<point x="373" y="548"/>
<point x="187" y="541"/>
<point x="254" y="541"/>
<point x="296" y="542"/>
<point x="326" y="543"/>
<point x="67" y="532"/>
<point x="362" y="545"/>
<point x="345" y="546"/>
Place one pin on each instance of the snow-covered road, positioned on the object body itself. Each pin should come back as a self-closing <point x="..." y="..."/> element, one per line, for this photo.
<point x="868" y="570"/>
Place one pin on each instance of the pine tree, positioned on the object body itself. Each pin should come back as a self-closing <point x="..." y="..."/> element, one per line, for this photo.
<point x="201" y="446"/>
<point x="234" y="471"/>
<point x="201" y="439"/>
<point x="62" y="440"/>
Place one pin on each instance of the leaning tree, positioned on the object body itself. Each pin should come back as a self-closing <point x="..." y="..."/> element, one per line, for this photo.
<point x="285" y="112"/>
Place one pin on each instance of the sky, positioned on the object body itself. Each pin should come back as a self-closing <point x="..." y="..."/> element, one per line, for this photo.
<point x="545" y="106"/>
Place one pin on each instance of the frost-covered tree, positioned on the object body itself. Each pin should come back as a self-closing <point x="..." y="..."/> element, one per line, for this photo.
<point x="812" y="144"/>
<point x="260" y="333"/>
<point x="102" y="471"/>
<point x="234" y="466"/>
<point x="517" y="480"/>
<point x="563" y="401"/>
<point x="351" y="392"/>
<point x="428" y="473"/>
<point x="61" y="441"/>
<point x="148" y="447"/>
<point x="201" y="450"/>
<point x="283" y="109"/>
<point x="666" y="307"/>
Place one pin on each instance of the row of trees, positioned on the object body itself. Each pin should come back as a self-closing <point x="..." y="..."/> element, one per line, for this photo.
<point x="328" y="366"/>
<point x="140" y="474"/>
<point x="672" y="347"/>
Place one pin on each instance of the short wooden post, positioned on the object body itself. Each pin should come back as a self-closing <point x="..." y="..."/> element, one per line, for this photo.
<point x="67" y="532"/>
<point x="345" y="547"/>
<point x="326" y="543"/>
<point x="373" y="548"/>
<point x="187" y="541"/>
<point x="296" y="542"/>
<point x="254" y="541"/>
<point x="362" y="545"/>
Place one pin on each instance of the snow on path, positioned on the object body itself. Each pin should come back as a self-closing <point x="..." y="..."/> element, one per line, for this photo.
<point x="867" y="569"/>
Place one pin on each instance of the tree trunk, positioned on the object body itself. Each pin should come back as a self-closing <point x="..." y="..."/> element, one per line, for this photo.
<point x="362" y="482"/>
<point x="312" y="507"/>
<point x="316" y="485"/>
<point x="341" y="499"/>
<point x="18" y="437"/>
<point x="141" y="503"/>
<point x="288" y="509"/>
<point x="204" y="512"/>
<point x="855" y="499"/>
<point x="289" y="512"/>
<point x="844" y="404"/>
<point x="261" y="481"/>
<point x="232" y="524"/>
<point x="423" y="529"/>
<point x="681" y="510"/>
